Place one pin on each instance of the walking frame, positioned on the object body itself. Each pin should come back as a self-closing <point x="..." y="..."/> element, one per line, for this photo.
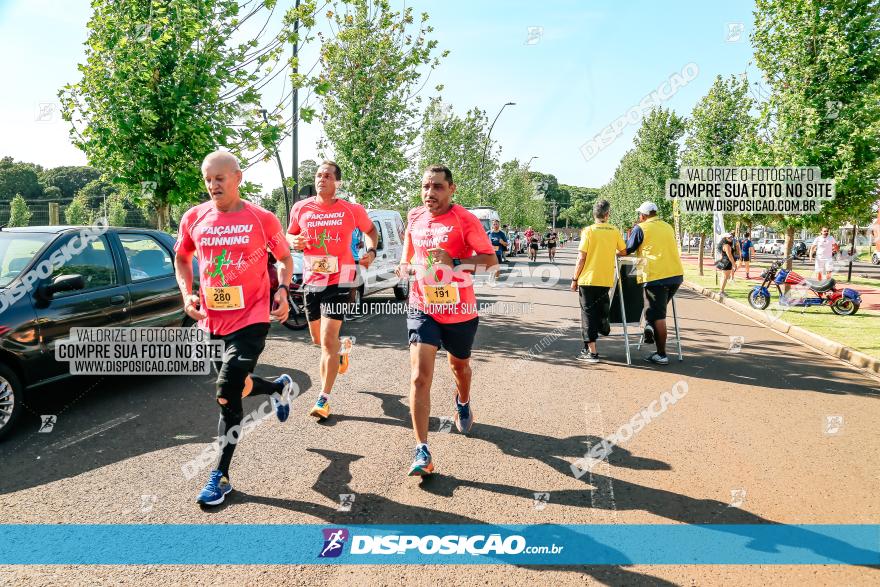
<point x="619" y="261"/>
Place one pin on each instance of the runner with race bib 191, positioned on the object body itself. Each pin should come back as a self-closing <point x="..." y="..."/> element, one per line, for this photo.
<point x="444" y="244"/>
<point x="231" y="237"/>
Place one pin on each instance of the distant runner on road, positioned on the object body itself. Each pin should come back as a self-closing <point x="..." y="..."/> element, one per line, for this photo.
<point x="552" y="239"/>
<point x="443" y="241"/>
<point x="230" y="237"/>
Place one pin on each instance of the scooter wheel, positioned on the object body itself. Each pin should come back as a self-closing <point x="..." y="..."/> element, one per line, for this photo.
<point x="844" y="307"/>
<point x="758" y="300"/>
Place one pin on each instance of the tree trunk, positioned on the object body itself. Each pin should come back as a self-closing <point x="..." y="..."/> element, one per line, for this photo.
<point x="162" y="211"/>
<point x="789" y="242"/>
<point x="702" y="250"/>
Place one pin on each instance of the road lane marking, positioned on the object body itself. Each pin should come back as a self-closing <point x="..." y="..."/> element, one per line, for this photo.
<point x="85" y="435"/>
<point x="602" y="495"/>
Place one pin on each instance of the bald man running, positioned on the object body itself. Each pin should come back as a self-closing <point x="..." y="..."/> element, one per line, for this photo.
<point x="230" y="237"/>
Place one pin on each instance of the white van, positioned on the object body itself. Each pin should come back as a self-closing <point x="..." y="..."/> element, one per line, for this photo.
<point x="381" y="276"/>
<point x="485" y="214"/>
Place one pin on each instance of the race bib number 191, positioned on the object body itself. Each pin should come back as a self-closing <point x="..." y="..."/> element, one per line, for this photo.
<point x="441" y="294"/>
<point x="224" y="298"/>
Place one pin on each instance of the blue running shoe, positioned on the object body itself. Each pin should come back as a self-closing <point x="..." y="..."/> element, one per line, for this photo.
<point x="282" y="406"/>
<point x="215" y="489"/>
<point x="464" y="416"/>
<point x="422" y="464"/>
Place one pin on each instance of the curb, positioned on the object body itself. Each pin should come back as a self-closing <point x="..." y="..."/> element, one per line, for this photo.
<point x="847" y="354"/>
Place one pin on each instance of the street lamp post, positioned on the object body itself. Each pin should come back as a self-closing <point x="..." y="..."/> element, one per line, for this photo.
<point x="281" y="170"/>
<point x="295" y="130"/>
<point x="530" y="161"/>
<point x="486" y="150"/>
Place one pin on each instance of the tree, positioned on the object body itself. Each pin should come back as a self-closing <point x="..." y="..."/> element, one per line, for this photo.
<point x="822" y="61"/>
<point x="307" y="170"/>
<point x="457" y="142"/>
<point x="18" y="178"/>
<point x="69" y="179"/>
<point x="52" y="193"/>
<point x="78" y="212"/>
<point x="162" y="86"/>
<point x="97" y="192"/>
<point x="547" y="189"/>
<point x="117" y="213"/>
<point x="580" y="209"/>
<point x="643" y="171"/>
<point x="514" y="199"/>
<point x="369" y="90"/>
<point x="718" y="132"/>
<point x="19" y="212"/>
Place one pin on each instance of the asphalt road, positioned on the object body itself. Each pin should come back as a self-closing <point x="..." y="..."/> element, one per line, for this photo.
<point x="750" y="443"/>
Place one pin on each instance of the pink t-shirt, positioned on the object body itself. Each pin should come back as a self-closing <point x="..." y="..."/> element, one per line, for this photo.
<point x="459" y="233"/>
<point x="231" y="248"/>
<point x="328" y="256"/>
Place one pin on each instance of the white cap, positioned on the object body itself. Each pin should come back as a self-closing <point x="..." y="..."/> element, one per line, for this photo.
<point x="646" y="208"/>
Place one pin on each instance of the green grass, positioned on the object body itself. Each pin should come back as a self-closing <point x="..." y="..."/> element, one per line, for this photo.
<point x="861" y="332"/>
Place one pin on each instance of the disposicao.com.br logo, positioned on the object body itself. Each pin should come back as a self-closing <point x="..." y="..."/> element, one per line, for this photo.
<point x="431" y="544"/>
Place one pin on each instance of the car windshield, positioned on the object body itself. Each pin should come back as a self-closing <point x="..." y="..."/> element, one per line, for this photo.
<point x="17" y="249"/>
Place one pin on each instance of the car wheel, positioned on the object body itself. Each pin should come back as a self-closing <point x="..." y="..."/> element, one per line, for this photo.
<point x="11" y="398"/>
<point x="401" y="290"/>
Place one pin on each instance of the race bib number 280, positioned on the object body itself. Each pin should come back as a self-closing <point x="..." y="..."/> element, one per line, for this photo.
<point x="224" y="298"/>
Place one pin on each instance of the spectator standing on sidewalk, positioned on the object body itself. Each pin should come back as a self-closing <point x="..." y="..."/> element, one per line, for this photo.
<point x="823" y="248"/>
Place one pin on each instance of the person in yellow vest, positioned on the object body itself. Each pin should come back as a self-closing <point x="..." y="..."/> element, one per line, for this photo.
<point x="594" y="276"/>
<point x="661" y="273"/>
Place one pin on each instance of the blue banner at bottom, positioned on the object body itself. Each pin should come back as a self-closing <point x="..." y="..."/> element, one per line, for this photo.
<point x="643" y="544"/>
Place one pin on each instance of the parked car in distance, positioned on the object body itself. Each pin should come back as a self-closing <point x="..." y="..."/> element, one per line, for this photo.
<point x="123" y="277"/>
<point x="775" y="246"/>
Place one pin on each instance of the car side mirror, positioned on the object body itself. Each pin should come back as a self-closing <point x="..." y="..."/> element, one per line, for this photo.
<point x="62" y="283"/>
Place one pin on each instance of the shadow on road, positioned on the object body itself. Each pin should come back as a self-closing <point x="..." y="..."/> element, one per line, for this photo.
<point x="372" y="509"/>
<point x="105" y="421"/>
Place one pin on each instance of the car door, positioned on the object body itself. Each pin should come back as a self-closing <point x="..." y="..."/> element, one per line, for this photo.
<point x="393" y="250"/>
<point x="374" y="278"/>
<point x="104" y="301"/>
<point x="149" y="270"/>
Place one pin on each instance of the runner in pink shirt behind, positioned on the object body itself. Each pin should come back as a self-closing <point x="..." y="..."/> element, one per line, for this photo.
<point x="321" y="227"/>
<point x="444" y="244"/>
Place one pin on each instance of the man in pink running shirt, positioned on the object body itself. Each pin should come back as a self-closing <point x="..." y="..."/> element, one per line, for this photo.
<point x="321" y="227"/>
<point x="231" y="238"/>
<point x="444" y="244"/>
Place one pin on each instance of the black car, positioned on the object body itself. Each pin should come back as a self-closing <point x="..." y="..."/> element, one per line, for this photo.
<point x="54" y="278"/>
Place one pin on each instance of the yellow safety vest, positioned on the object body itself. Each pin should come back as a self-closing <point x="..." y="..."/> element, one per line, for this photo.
<point x="659" y="251"/>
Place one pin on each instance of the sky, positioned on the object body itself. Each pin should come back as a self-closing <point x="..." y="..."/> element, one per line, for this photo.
<point x="573" y="67"/>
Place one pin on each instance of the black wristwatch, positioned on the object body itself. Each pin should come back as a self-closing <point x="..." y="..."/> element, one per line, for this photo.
<point x="285" y="287"/>
<point x="456" y="262"/>
<point x="372" y="250"/>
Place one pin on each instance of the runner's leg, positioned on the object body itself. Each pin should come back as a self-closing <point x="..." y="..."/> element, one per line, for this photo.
<point x="421" y="360"/>
<point x="329" y="338"/>
<point x="461" y="372"/>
